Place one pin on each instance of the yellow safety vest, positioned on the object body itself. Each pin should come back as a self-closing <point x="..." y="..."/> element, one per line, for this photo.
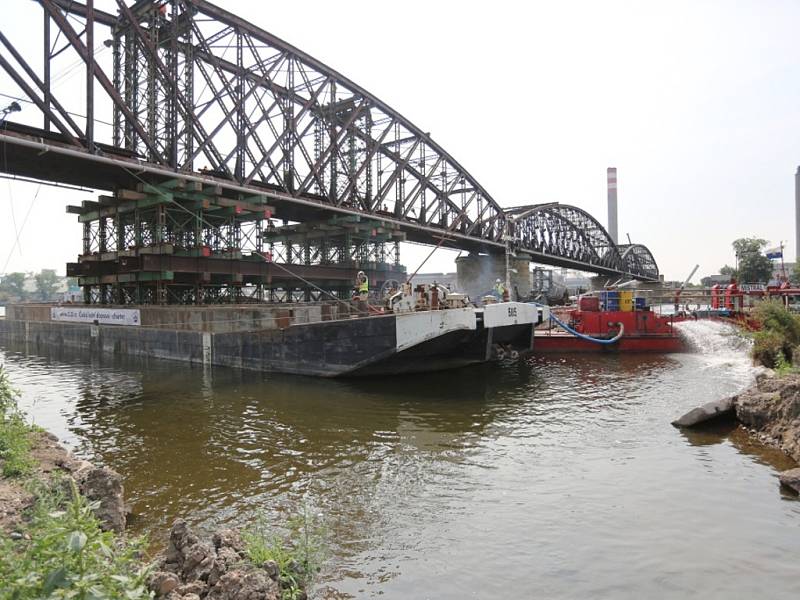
<point x="363" y="287"/>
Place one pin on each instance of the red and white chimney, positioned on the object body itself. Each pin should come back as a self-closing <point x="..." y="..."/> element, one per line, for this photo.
<point x="611" y="178"/>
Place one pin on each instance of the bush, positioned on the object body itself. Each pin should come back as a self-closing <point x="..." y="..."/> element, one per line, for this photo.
<point x="65" y="554"/>
<point x="773" y="316"/>
<point x="768" y="348"/>
<point x="15" y="444"/>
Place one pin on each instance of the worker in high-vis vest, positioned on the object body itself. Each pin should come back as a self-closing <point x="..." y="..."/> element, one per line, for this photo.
<point x="499" y="289"/>
<point x="362" y="286"/>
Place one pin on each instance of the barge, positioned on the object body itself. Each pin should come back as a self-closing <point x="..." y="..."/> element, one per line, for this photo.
<point x="319" y="339"/>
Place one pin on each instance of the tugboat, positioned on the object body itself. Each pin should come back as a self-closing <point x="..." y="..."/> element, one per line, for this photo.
<point x="612" y="321"/>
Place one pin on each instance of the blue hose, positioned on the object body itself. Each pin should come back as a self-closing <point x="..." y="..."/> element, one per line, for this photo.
<point x="603" y="341"/>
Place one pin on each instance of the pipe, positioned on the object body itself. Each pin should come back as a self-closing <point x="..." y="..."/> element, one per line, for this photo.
<point x="588" y="338"/>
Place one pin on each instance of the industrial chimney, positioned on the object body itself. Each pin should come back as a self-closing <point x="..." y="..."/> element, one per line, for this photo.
<point x="612" y="202"/>
<point x="797" y="215"/>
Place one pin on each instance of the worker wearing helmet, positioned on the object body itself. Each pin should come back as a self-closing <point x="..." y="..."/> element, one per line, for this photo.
<point x="499" y="289"/>
<point x="362" y="286"/>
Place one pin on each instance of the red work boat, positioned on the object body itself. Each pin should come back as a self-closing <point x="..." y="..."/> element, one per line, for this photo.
<point x="592" y="327"/>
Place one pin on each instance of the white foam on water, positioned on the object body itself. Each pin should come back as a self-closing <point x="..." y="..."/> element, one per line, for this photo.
<point x="720" y="346"/>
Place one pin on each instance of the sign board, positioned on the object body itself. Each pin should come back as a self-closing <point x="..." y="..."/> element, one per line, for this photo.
<point x="90" y="314"/>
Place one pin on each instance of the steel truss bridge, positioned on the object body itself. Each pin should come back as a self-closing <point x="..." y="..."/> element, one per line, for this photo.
<point x="184" y="91"/>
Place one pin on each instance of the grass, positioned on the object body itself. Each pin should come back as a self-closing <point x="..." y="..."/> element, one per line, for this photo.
<point x="298" y="555"/>
<point x="15" y="443"/>
<point x="64" y="554"/>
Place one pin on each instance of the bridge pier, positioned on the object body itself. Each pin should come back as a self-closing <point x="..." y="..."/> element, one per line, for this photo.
<point x="477" y="274"/>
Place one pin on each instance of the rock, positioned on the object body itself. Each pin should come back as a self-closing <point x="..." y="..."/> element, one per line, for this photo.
<point x="772" y="409"/>
<point x="707" y="412"/>
<point x="791" y="479"/>
<point x="199" y="561"/>
<point x="191" y="597"/>
<point x="162" y="583"/>
<point x="181" y="536"/>
<point x="197" y="588"/>
<point x="244" y="585"/>
<point x="272" y="569"/>
<point x="228" y="538"/>
<point x="104" y="485"/>
<point x="227" y="559"/>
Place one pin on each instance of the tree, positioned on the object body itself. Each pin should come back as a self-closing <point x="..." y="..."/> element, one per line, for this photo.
<point x="729" y="271"/>
<point x="12" y="287"/>
<point x="754" y="267"/>
<point x="46" y="284"/>
<point x="794" y="277"/>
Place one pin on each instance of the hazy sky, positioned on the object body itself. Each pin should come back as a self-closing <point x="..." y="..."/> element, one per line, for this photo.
<point x="696" y="103"/>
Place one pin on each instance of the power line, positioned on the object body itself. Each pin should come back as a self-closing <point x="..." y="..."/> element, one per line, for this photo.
<point x="25" y="220"/>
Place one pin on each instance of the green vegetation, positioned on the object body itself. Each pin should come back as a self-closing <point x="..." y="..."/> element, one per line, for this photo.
<point x="752" y="265"/>
<point x="63" y="553"/>
<point x="298" y="556"/>
<point x="45" y="283"/>
<point x="15" y="443"/>
<point x="60" y="550"/>
<point x="775" y="344"/>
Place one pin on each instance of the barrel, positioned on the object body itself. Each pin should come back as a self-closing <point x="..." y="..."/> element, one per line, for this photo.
<point x="626" y="300"/>
<point x="612" y="301"/>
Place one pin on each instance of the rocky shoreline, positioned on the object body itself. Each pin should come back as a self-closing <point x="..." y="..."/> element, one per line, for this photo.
<point x="769" y="410"/>
<point x="189" y="569"/>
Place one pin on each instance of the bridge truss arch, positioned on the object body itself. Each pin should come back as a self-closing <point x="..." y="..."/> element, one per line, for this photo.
<point x="639" y="259"/>
<point x="576" y="238"/>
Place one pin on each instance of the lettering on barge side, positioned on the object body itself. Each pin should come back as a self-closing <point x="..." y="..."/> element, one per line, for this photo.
<point x="103" y="316"/>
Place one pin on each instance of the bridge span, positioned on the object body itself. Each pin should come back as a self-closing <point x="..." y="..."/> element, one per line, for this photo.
<point x="182" y="90"/>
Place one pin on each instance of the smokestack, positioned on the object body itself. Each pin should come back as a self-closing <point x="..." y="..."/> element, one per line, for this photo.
<point x="797" y="215"/>
<point x="612" y="202"/>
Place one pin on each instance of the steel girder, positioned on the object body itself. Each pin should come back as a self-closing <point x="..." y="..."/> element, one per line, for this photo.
<point x="193" y="88"/>
<point x="638" y="259"/>
<point x="571" y="233"/>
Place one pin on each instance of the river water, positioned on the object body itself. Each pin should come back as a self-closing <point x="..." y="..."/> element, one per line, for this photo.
<point x="553" y="478"/>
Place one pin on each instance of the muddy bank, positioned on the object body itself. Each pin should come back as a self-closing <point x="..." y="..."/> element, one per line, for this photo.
<point x="54" y="465"/>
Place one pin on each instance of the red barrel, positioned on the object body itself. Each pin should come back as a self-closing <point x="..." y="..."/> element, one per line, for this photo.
<point x="589" y="303"/>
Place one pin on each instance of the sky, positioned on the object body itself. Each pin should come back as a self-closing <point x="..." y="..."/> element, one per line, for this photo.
<point x="696" y="103"/>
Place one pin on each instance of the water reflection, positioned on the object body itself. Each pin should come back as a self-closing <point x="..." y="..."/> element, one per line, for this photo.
<point x="547" y="470"/>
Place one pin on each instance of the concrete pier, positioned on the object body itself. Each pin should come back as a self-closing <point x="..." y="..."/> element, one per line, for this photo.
<point x="477" y="274"/>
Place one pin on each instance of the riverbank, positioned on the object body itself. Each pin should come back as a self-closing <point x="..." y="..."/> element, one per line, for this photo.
<point x="769" y="410"/>
<point x="62" y="529"/>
